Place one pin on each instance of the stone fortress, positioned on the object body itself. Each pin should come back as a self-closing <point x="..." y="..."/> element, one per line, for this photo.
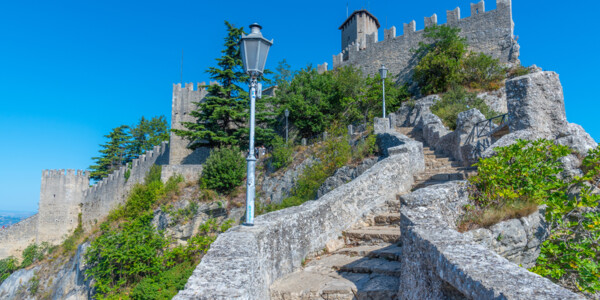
<point x="66" y="197"/>
<point x="489" y="32"/>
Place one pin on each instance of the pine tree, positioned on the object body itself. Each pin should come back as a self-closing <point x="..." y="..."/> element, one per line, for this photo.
<point x="222" y="118"/>
<point x="147" y="134"/>
<point x="113" y="153"/>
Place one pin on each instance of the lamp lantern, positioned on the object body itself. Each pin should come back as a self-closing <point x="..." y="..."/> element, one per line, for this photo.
<point x="254" y="49"/>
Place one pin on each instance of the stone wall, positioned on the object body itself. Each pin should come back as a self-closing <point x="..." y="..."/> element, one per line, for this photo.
<point x="189" y="172"/>
<point x="184" y="100"/>
<point x="441" y="263"/>
<point x="60" y="196"/>
<point x="488" y="32"/>
<point x="15" y="238"/>
<point x="254" y="257"/>
<point x="113" y="190"/>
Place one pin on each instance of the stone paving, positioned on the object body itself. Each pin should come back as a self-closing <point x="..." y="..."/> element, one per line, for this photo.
<point x="368" y="265"/>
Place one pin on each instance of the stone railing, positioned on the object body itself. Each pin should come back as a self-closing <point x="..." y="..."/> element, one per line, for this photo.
<point x="441" y="263"/>
<point x="243" y="262"/>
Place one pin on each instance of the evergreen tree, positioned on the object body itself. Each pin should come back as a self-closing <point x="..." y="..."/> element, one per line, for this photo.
<point x="222" y="118"/>
<point x="112" y="155"/>
<point x="147" y="134"/>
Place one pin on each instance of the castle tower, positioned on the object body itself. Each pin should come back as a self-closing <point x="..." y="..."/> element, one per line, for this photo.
<point x="61" y="196"/>
<point x="359" y="27"/>
<point x="183" y="104"/>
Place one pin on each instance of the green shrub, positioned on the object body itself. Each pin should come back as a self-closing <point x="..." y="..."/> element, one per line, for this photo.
<point x="439" y="65"/>
<point x="527" y="174"/>
<point x="224" y="170"/>
<point x="456" y="101"/>
<point x="481" y="71"/>
<point x="282" y="154"/>
<point x="517" y="71"/>
<point x="165" y="285"/>
<point x="34" y="253"/>
<point x="7" y="266"/>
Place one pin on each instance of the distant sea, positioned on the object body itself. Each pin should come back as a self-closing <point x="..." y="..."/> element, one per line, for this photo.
<point x="11" y="217"/>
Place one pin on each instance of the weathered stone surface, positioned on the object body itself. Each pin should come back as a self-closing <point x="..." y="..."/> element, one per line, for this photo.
<point x="180" y="230"/>
<point x="574" y="136"/>
<point x="275" y="187"/>
<point x="444" y="263"/>
<point x="536" y="102"/>
<point x="381" y="125"/>
<point x="71" y="282"/>
<point x="255" y="257"/>
<point x="496" y="100"/>
<point x="344" y="175"/>
<point x="13" y="287"/>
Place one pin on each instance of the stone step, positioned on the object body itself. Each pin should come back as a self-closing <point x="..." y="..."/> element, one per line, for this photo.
<point x="426" y="183"/>
<point x="372" y="235"/>
<point x="387" y="219"/>
<point x="373" y="266"/>
<point x="440" y="175"/>
<point x="364" y="250"/>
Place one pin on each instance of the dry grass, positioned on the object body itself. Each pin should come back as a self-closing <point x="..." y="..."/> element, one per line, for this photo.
<point x="476" y="217"/>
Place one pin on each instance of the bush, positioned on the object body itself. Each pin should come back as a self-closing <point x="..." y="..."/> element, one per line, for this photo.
<point x="439" y="65"/>
<point x="481" y="71"/>
<point x="224" y="170"/>
<point x="456" y="101"/>
<point x="527" y="174"/>
<point x="282" y="154"/>
<point x="7" y="266"/>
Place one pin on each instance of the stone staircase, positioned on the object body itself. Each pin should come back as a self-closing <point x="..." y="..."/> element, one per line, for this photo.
<point x="368" y="265"/>
<point x="438" y="168"/>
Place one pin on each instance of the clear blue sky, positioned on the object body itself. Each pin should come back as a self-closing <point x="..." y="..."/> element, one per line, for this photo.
<point x="72" y="70"/>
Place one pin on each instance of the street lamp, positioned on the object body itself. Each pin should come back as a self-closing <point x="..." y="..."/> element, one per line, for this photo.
<point x="254" y="50"/>
<point x="383" y="72"/>
<point x="287" y="114"/>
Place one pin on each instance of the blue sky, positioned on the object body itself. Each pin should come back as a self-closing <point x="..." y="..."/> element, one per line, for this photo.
<point x="72" y="70"/>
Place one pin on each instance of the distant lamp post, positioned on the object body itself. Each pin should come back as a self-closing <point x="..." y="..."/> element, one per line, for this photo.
<point x="254" y="50"/>
<point x="287" y="114"/>
<point x="383" y="72"/>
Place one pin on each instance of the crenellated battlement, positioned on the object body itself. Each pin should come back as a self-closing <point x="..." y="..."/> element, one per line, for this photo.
<point x="113" y="190"/>
<point x="490" y="32"/>
<point x="65" y="173"/>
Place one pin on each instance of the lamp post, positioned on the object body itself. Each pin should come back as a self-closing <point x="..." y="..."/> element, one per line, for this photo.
<point x="254" y="50"/>
<point x="383" y="72"/>
<point x="287" y="114"/>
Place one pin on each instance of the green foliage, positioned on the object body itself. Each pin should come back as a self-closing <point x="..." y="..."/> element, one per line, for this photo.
<point x="125" y="254"/>
<point x="456" y="101"/>
<point x="126" y="143"/>
<point x="332" y="154"/>
<point x="112" y="155"/>
<point x="282" y="154"/>
<point x="570" y="255"/>
<point x="7" y="266"/>
<point x="222" y="117"/>
<point x="224" y="169"/>
<point x="318" y="100"/>
<point x="70" y="243"/>
<point x="146" y="134"/>
<point x="34" y="253"/>
<point x="527" y="173"/>
<point x="165" y="285"/>
<point x="439" y="64"/>
<point x="34" y="285"/>
<point x="517" y="71"/>
<point x="481" y="71"/>
<point x="130" y="258"/>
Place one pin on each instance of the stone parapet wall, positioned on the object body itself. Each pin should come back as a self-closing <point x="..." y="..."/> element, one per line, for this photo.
<point x="243" y="262"/>
<point x="15" y="238"/>
<point x="441" y="263"/>
<point x="488" y="32"/>
<point x="113" y="190"/>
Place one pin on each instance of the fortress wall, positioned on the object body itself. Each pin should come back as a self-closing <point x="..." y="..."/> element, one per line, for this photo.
<point x="113" y="190"/>
<point x="184" y="100"/>
<point x="15" y="238"/>
<point x="488" y="32"/>
<point x="59" y="207"/>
